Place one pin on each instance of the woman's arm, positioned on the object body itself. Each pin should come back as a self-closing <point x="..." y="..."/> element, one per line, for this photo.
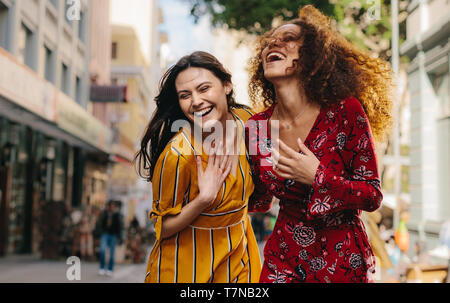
<point x="261" y="199"/>
<point x="171" y="224"/>
<point x="209" y="182"/>
<point x="360" y="190"/>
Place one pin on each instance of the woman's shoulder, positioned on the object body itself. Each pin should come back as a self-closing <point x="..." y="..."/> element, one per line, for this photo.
<point x="262" y="115"/>
<point x="178" y="150"/>
<point x="350" y="105"/>
<point x="345" y="111"/>
<point x="348" y="114"/>
<point x="172" y="160"/>
<point x="243" y="113"/>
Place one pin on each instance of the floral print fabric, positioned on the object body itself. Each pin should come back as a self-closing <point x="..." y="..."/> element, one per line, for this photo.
<point x="319" y="236"/>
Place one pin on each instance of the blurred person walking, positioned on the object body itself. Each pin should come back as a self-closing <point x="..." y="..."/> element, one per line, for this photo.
<point x="200" y="191"/>
<point x="324" y="99"/>
<point x="87" y="224"/>
<point x="110" y="224"/>
<point x="134" y="242"/>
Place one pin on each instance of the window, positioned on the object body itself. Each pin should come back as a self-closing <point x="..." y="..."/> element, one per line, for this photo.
<point x="78" y="90"/>
<point x="68" y="13"/>
<point x="49" y="72"/>
<point x="82" y="27"/>
<point x="441" y="85"/>
<point x="25" y="49"/>
<point x="3" y="25"/>
<point x="54" y="3"/>
<point x="65" y="79"/>
<point x="114" y="50"/>
<point x="59" y="172"/>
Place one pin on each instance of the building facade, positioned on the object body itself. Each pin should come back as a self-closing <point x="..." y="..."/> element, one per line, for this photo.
<point x="136" y="62"/>
<point x="129" y="67"/>
<point x="234" y="50"/>
<point x="428" y="47"/>
<point x="49" y="138"/>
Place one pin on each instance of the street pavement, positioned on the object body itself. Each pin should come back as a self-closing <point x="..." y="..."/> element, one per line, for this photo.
<point x="32" y="269"/>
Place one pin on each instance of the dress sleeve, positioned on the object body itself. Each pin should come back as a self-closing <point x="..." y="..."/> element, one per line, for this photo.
<point x="170" y="184"/>
<point x="261" y="198"/>
<point x="360" y="189"/>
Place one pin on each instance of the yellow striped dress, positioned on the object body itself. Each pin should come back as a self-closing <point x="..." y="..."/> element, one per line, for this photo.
<point x="219" y="246"/>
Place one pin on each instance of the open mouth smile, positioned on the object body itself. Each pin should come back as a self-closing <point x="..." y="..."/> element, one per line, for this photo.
<point x="274" y="56"/>
<point x="203" y="112"/>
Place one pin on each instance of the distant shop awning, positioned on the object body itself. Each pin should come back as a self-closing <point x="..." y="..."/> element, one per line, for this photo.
<point x="109" y="93"/>
<point x="120" y="159"/>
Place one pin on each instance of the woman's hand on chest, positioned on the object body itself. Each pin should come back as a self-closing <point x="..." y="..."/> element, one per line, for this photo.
<point x="290" y="164"/>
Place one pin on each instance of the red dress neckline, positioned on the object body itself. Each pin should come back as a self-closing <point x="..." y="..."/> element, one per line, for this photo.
<point x="270" y="111"/>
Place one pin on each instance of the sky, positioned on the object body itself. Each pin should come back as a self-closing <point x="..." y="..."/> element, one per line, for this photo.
<point x="184" y="36"/>
<point x="135" y="13"/>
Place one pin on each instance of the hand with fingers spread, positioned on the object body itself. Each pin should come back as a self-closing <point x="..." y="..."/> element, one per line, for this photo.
<point x="211" y="179"/>
<point x="296" y="166"/>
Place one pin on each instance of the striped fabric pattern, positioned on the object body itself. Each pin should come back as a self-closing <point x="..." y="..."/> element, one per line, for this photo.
<point x="219" y="246"/>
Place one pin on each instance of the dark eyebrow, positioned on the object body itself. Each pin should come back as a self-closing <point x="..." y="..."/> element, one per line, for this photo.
<point x="203" y="83"/>
<point x="206" y="82"/>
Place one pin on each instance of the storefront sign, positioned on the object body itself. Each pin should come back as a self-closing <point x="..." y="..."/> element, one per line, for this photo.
<point x="76" y="120"/>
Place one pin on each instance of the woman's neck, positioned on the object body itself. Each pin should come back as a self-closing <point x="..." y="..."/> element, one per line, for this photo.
<point x="290" y="98"/>
<point x="228" y="135"/>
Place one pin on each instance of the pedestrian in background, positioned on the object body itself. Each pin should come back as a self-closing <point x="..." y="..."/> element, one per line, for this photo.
<point x="134" y="242"/>
<point x="86" y="227"/>
<point x="110" y="224"/>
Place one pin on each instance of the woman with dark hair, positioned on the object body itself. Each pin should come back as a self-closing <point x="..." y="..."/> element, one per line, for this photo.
<point x="200" y="190"/>
<point x="325" y="102"/>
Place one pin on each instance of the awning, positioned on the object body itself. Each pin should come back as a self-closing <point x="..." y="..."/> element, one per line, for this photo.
<point x="108" y="93"/>
<point x="117" y="158"/>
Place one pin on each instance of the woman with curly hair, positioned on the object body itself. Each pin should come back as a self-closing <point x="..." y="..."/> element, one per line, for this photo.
<point x="313" y="149"/>
<point x="201" y="179"/>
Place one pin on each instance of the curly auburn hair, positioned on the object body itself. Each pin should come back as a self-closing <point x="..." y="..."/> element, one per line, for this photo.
<point x="330" y="69"/>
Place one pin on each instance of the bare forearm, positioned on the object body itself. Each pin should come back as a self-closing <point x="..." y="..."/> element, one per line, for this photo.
<point x="173" y="224"/>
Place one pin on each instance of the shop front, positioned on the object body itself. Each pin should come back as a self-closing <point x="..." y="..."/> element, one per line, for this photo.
<point x="47" y="141"/>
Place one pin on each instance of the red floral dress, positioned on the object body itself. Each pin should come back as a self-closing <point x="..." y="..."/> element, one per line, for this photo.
<point x="319" y="236"/>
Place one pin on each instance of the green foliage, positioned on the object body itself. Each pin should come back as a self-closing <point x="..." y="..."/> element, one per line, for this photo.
<point x="253" y="16"/>
<point x="352" y="17"/>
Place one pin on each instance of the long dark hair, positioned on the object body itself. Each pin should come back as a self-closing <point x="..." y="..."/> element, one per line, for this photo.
<point x="159" y="130"/>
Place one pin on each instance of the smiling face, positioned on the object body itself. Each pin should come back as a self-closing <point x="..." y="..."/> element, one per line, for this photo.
<point x="202" y="96"/>
<point x="278" y="57"/>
